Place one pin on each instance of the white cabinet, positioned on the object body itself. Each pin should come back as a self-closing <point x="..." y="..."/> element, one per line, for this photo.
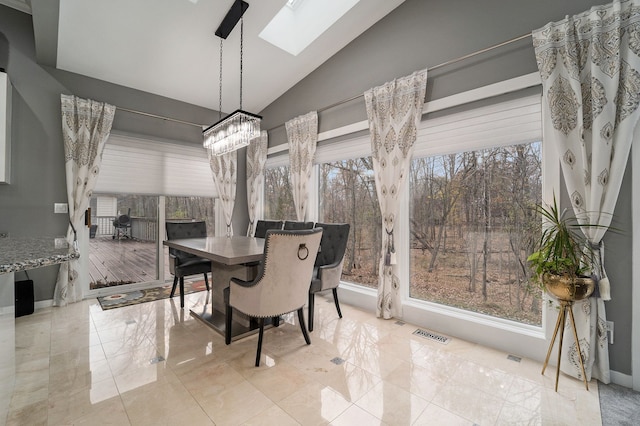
<point x="5" y="128"/>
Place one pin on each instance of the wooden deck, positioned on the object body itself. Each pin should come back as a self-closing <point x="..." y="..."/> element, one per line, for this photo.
<point x="114" y="262"/>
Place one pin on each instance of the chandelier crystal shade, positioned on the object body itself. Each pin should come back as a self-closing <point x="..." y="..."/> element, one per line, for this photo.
<point x="237" y="129"/>
<point x="232" y="132"/>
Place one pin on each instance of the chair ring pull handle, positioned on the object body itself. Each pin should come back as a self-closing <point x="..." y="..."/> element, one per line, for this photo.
<point x="302" y="247"/>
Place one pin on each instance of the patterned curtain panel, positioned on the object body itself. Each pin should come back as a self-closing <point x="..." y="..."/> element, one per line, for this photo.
<point x="590" y="68"/>
<point x="86" y="125"/>
<point x="302" y="133"/>
<point x="256" y="159"/>
<point x="225" y="173"/>
<point x="394" y="111"/>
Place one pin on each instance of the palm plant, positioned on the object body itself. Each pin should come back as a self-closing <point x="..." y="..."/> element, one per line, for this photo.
<point x="562" y="248"/>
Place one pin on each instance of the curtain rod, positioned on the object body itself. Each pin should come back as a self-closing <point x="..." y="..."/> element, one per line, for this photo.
<point x="444" y="64"/>
<point x="344" y="101"/>
<point x="147" y="114"/>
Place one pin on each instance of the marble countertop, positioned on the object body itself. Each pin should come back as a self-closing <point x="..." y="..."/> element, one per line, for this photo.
<point x="22" y="253"/>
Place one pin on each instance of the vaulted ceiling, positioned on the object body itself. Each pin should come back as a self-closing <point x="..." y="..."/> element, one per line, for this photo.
<point x="168" y="47"/>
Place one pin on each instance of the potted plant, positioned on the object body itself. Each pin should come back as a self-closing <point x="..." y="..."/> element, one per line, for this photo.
<point x="562" y="261"/>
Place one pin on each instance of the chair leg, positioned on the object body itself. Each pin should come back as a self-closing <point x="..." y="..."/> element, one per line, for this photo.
<point x="206" y="281"/>
<point x="276" y="321"/>
<point x="303" y="327"/>
<point x="335" y="299"/>
<point x="175" y="284"/>
<point x="227" y="320"/>
<point x="261" y="323"/>
<point x="311" y="302"/>
<point x="182" y="292"/>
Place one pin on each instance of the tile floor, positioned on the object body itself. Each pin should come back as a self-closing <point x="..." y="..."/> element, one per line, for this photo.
<point x="153" y="364"/>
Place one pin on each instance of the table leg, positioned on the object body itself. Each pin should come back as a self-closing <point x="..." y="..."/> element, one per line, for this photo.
<point x="220" y="277"/>
<point x="213" y="313"/>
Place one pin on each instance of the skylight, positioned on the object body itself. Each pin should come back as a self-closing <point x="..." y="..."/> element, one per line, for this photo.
<point x="300" y="22"/>
<point x="293" y="4"/>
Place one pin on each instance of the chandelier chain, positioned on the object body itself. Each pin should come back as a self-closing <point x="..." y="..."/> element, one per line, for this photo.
<point x="220" y="87"/>
<point x="241" y="48"/>
<point x="236" y="129"/>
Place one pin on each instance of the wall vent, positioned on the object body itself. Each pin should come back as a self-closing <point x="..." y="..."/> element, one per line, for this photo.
<point x="432" y="336"/>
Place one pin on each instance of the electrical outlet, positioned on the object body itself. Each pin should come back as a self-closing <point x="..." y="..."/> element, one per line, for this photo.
<point x="60" y="208"/>
<point x="610" y="331"/>
<point x="60" y="243"/>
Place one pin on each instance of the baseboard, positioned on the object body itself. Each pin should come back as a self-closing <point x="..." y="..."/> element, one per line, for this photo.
<point x="6" y="310"/>
<point x="358" y="296"/>
<point x="621" y="379"/>
<point x="41" y="304"/>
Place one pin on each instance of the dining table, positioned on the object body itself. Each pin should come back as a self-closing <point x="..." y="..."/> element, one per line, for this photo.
<point x="231" y="257"/>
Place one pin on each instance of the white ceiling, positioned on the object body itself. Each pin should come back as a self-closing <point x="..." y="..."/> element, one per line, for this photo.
<point x="168" y="47"/>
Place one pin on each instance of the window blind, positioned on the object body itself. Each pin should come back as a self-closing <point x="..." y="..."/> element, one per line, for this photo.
<point x="135" y="165"/>
<point x="504" y="123"/>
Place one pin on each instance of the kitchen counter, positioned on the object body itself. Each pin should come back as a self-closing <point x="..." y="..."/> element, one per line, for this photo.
<point x="23" y="253"/>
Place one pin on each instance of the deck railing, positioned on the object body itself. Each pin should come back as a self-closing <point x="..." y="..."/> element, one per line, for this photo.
<point x="142" y="228"/>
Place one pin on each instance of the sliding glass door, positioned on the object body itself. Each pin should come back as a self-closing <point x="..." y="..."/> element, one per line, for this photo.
<point x="123" y="240"/>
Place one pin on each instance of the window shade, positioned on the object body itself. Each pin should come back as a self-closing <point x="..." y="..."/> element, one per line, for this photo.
<point x="134" y="165"/>
<point x="504" y="123"/>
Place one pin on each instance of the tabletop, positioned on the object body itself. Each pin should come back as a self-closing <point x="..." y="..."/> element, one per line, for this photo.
<point x="234" y="250"/>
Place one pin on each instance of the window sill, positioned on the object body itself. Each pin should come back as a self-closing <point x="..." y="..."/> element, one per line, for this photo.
<point x="518" y="339"/>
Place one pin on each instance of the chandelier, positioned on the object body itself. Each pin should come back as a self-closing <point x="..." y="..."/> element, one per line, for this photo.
<point x="237" y="129"/>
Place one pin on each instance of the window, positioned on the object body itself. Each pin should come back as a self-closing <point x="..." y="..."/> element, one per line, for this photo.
<point x="348" y="195"/>
<point x="470" y="221"/>
<point x="475" y="179"/>
<point x="278" y="197"/>
<point x="473" y="224"/>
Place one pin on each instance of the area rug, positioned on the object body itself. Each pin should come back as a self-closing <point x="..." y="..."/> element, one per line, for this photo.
<point x="619" y="406"/>
<point x="135" y="297"/>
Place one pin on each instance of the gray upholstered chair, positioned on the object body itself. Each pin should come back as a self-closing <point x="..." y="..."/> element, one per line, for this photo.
<point x="281" y="285"/>
<point x="182" y="264"/>
<point x="262" y="226"/>
<point x="291" y="225"/>
<point x="328" y="266"/>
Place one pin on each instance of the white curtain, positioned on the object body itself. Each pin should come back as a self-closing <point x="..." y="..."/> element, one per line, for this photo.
<point x="394" y="111"/>
<point x="256" y="159"/>
<point x="86" y="125"/>
<point x="225" y="173"/>
<point x="590" y="69"/>
<point x="302" y="133"/>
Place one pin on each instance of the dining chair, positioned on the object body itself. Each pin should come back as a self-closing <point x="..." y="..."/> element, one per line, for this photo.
<point x="328" y="265"/>
<point x="282" y="282"/>
<point x="182" y="264"/>
<point x="262" y="226"/>
<point x="290" y="225"/>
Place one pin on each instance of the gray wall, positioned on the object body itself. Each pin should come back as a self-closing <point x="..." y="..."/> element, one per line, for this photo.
<point x="26" y="205"/>
<point x="38" y="176"/>
<point x="421" y="34"/>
